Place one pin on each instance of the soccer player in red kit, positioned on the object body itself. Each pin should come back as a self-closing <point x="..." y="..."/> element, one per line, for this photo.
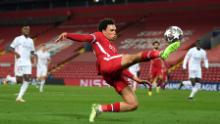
<point x="158" y="70"/>
<point x="113" y="66"/>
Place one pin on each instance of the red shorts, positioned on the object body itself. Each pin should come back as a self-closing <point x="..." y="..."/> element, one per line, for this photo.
<point x="164" y="76"/>
<point x="158" y="73"/>
<point x="111" y="70"/>
<point x="155" y="73"/>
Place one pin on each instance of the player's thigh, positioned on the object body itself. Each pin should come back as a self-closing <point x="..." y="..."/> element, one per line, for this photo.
<point x="192" y="74"/>
<point x="129" y="96"/>
<point x="27" y="71"/>
<point x="111" y="65"/>
<point x="199" y="74"/>
<point x="19" y="79"/>
<point x="18" y="70"/>
<point x="195" y="73"/>
<point x="40" y="72"/>
<point x="44" y="71"/>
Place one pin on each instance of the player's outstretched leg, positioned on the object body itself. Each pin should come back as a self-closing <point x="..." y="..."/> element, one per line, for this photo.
<point x="129" y="104"/>
<point x="130" y="59"/>
<point x="170" y="49"/>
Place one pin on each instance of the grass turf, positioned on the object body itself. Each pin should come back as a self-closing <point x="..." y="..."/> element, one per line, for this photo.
<point x="71" y="105"/>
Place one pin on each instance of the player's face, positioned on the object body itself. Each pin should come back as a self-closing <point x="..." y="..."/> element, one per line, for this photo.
<point x="156" y="46"/>
<point x="26" y="30"/>
<point x="110" y="32"/>
<point x="43" y="48"/>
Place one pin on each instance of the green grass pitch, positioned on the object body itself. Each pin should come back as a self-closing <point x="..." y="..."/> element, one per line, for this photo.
<point x="71" y="105"/>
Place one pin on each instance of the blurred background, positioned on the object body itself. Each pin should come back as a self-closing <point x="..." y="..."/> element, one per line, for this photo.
<point x="140" y="22"/>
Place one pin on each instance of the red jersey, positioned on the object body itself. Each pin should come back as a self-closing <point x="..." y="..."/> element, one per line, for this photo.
<point x="102" y="47"/>
<point x="103" y="50"/>
<point x="158" y="65"/>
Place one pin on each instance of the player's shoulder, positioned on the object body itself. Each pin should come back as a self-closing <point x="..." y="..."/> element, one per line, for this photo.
<point x="29" y="38"/>
<point x="192" y="49"/>
<point x="98" y="34"/>
<point x="19" y="37"/>
<point x="202" y="50"/>
<point x="48" y="53"/>
<point x="38" y="52"/>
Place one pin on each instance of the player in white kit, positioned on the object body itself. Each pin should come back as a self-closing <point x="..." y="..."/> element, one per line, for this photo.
<point x="43" y="59"/>
<point x="194" y="58"/>
<point x="23" y="48"/>
<point x="135" y="70"/>
<point x="16" y="78"/>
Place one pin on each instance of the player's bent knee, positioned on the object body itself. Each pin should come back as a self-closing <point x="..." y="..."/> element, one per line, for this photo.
<point x="134" y="106"/>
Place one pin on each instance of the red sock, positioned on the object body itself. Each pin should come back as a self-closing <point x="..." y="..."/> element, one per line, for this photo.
<point x="149" y="86"/>
<point x="115" y="107"/>
<point x="163" y="85"/>
<point x="148" y="55"/>
<point x="159" y="83"/>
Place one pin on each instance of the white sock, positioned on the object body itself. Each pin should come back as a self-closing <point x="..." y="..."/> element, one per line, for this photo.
<point x="23" y="89"/>
<point x="100" y="108"/>
<point x="42" y="85"/>
<point x="187" y="83"/>
<point x="195" y="89"/>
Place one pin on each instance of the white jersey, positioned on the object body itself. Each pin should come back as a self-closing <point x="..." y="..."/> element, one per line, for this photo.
<point x="43" y="58"/>
<point x="23" y="46"/>
<point x="194" y="58"/>
<point x="134" y="69"/>
<point x="42" y="63"/>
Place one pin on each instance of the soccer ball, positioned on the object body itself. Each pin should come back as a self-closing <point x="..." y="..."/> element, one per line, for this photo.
<point x="173" y="33"/>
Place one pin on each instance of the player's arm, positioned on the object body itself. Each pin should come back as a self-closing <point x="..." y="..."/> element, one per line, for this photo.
<point x="12" y="50"/>
<point x="205" y="60"/>
<point x="186" y="58"/>
<point x="34" y="58"/>
<point x="49" y="60"/>
<point x="12" y="47"/>
<point x="133" y="77"/>
<point x="128" y="74"/>
<point x="76" y="37"/>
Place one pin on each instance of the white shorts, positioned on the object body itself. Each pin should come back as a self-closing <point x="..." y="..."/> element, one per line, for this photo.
<point x="21" y="70"/>
<point x="41" y="71"/>
<point x="195" y="74"/>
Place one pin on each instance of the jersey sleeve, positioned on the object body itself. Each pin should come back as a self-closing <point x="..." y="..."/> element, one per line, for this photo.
<point x="186" y="58"/>
<point x="32" y="46"/>
<point x="14" y="43"/>
<point x="205" y="60"/>
<point x="48" y="56"/>
<point x="82" y="37"/>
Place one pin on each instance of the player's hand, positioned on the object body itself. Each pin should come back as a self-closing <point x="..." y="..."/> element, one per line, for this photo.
<point x="61" y="37"/>
<point x="184" y="70"/>
<point x="17" y="56"/>
<point x="145" y="82"/>
<point x="140" y="81"/>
